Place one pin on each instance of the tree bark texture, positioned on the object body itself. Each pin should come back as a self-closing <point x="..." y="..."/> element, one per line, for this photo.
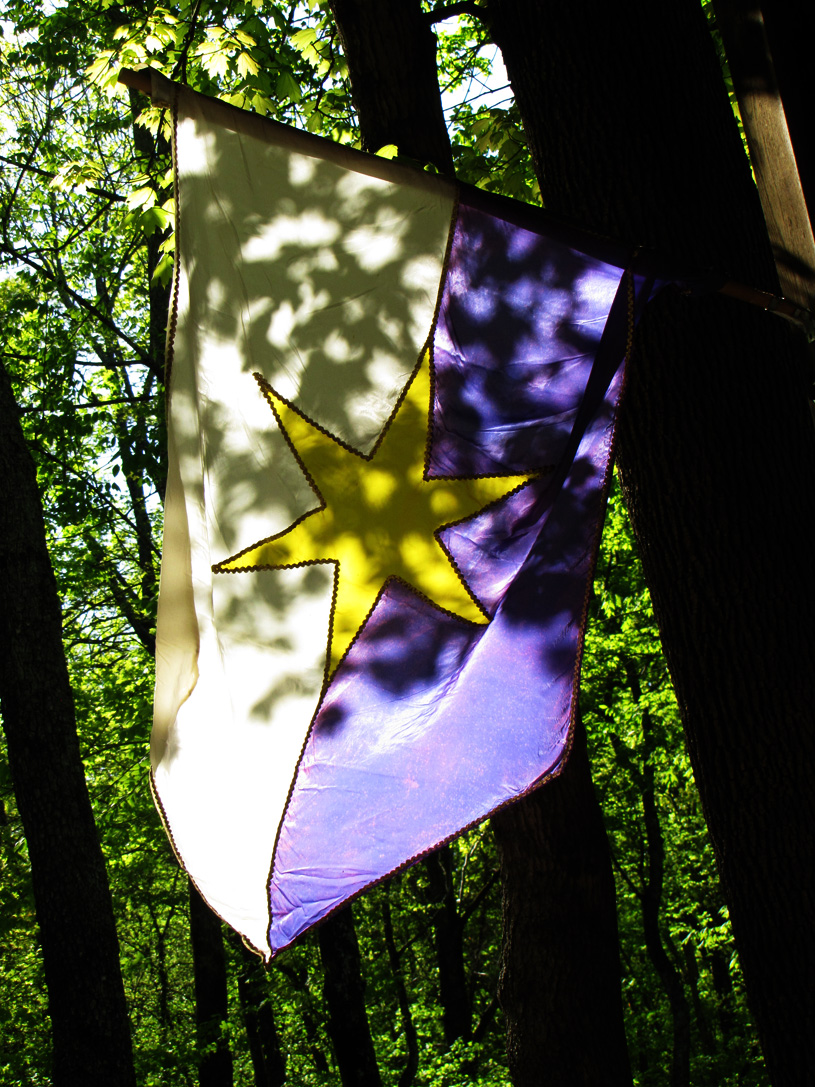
<point x="791" y="31"/>
<point x="211" y="997"/>
<point x="86" y="999"/>
<point x="631" y="133"/>
<point x="149" y="147"/>
<point x="344" y="990"/>
<point x="560" y="973"/>
<point x="544" y="829"/>
<point x="391" y="54"/>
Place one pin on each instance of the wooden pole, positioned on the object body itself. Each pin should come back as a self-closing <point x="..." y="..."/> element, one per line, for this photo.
<point x="139" y="79"/>
<point x="771" y="152"/>
<point x="794" y="307"/>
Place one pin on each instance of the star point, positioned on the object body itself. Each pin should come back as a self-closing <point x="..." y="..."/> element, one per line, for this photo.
<point x="379" y="515"/>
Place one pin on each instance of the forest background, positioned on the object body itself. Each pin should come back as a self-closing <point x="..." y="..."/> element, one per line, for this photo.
<point x="412" y="990"/>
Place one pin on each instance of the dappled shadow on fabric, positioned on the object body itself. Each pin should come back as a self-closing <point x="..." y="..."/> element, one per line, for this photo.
<point x="325" y="283"/>
<point x="324" y="280"/>
<point x="431" y="723"/>
<point x="446" y="696"/>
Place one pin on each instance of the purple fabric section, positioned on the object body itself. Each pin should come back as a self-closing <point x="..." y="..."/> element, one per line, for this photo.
<point x="520" y="322"/>
<point x="430" y="723"/>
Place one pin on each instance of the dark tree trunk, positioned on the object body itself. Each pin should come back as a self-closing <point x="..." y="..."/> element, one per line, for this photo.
<point x="653" y="883"/>
<point x="74" y="910"/>
<point x="211" y="997"/>
<point x="149" y="147"/>
<point x="265" y="1051"/>
<point x="344" y="991"/>
<point x="547" y="828"/>
<point x="161" y="932"/>
<point x="298" y="979"/>
<point x="395" y="959"/>
<point x="723" y="984"/>
<point x="631" y="132"/>
<point x="391" y="54"/>
<point x="707" y="1042"/>
<point x="560" y="980"/>
<point x="651" y="903"/>
<point x="448" y="937"/>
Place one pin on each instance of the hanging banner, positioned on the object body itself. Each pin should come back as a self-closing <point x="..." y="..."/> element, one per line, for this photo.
<point x="392" y="403"/>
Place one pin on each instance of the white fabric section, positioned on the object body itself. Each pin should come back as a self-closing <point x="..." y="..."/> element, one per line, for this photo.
<point x="324" y="279"/>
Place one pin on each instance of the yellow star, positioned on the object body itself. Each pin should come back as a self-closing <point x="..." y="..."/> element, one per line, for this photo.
<point x="379" y="515"/>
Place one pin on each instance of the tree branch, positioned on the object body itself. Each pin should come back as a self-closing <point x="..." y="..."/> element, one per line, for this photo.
<point x="62" y="287"/>
<point x="447" y="11"/>
<point x="47" y="173"/>
<point x="91" y="404"/>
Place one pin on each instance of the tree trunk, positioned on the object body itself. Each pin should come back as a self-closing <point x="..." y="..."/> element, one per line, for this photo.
<point x="265" y="1051"/>
<point x="211" y="997"/>
<point x="74" y="910"/>
<point x="771" y="151"/>
<point x="707" y="1042"/>
<point x="723" y="984"/>
<point x="298" y="978"/>
<point x="161" y="932"/>
<point x="653" y="882"/>
<point x="651" y="903"/>
<point x="411" y="1041"/>
<point x="631" y="132"/>
<point x="344" y="991"/>
<point x="448" y="937"/>
<point x="560" y="978"/>
<point x="391" y="54"/>
<point x="542" y="827"/>
<point x="791" y="31"/>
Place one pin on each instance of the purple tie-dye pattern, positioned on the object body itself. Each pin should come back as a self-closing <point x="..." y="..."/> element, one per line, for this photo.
<point x="431" y="723"/>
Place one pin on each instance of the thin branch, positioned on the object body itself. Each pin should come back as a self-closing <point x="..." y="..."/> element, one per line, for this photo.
<point x="615" y="864"/>
<point x="181" y="63"/>
<point x="483" y="94"/>
<point x="84" y="228"/>
<point x="106" y="365"/>
<point x="100" y="492"/>
<point x="89" y="404"/>
<point x="487" y="1017"/>
<point x="62" y="286"/>
<point x="16" y="189"/>
<point x="476" y="902"/>
<point x="47" y="173"/>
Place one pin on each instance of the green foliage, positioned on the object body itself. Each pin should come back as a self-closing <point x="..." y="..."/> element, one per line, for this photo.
<point x="86" y="248"/>
<point x="489" y="147"/>
<point x="24" y="1022"/>
<point x="635" y="739"/>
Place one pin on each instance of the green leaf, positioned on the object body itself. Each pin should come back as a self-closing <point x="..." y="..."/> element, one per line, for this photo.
<point x="303" y="41"/>
<point x="154" y="219"/>
<point x="287" y="87"/>
<point x="247" y="65"/>
<point x="164" y="269"/>
<point x="144" y="197"/>
<point x="76" y="175"/>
